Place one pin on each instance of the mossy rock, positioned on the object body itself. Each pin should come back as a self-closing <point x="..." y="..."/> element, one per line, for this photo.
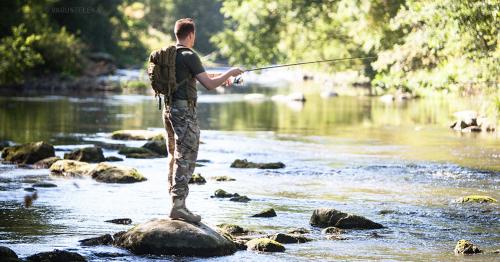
<point x="266" y="213"/>
<point x="220" y="193"/>
<point x="232" y="229"/>
<point x="28" y="153"/>
<point x="138" y="152"/>
<point x="476" y="199"/>
<point x="106" y="239"/>
<point x="466" y="247"/>
<point x="223" y="178"/>
<point x="136" y="135"/>
<point x="88" y="154"/>
<point x="157" y="146"/>
<point x="197" y="179"/>
<point x="107" y="173"/>
<point x="70" y="168"/>
<point x="46" y="162"/>
<point x="243" y="163"/>
<point x="289" y="238"/>
<point x="265" y="245"/>
<point x="329" y="217"/>
<point x="238" y="198"/>
<point x="56" y="255"/>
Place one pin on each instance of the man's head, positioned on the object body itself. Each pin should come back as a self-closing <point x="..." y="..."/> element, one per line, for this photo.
<point x="185" y="31"/>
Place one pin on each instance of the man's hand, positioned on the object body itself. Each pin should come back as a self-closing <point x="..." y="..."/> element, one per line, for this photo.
<point x="211" y="81"/>
<point x="235" y="71"/>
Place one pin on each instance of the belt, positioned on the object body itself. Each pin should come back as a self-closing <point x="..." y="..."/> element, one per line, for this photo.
<point x="183" y="103"/>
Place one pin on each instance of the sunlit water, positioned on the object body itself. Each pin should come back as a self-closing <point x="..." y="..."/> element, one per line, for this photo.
<point x="355" y="154"/>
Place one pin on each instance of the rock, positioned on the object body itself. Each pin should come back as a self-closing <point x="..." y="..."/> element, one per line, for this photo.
<point x="289" y="238"/>
<point x="486" y="125"/>
<point x="299" y="230"/>
<point x="203" y="161"/>
<point x="106" y="239"/>
<point x="332" y="230"/>
<point x="29" y="189"/>
<point x="157" y="146"/>
<point x="240" y="244"/>
<point x="175" y="237"/>
<point x="46" y="162"/>
<point x="197" y="179"/>
<point x="232" y="229"/>
<point x="325" y="217"/>
<point x="28" y="153"/>
<point x="56" y="256"/>
<point x="138" y="152"/>
<point x="70" y="168"/>
<point x="121" y="221"/>
<point x="109" y="146"/>
<point x="44" y="184"/>
<point x="113" y="159"/>
<point x="87" y="154"/>
<point x="8" y="255"/>
<point x="265" y="245"/>
<point x="471" y="129"/>
<point x="104" y="172"/>
<point x="469" y="117"/>
<point x="220" y="193"/>
<point x="223" y="178"/>
<point x="476" y="199"/>
<point x="266" y="213"/>
<point x="238" y="163"/>
<point x="465" y="247"/>
<point x="238" y="198"/>
<point x="335" y="237"/>
<point x="137" y="135"/>
<point x="386" y="212"/>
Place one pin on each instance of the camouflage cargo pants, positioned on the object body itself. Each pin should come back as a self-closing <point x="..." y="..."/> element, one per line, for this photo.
<point x="183" y="139"/>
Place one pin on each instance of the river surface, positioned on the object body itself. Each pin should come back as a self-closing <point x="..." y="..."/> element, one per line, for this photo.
<point x="355" y="154"/>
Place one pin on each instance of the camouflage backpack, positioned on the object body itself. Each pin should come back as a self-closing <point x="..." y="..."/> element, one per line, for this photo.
<point x="161" y="71"/>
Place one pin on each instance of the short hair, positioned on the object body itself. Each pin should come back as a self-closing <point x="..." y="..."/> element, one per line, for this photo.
<point x="183" y="27"/>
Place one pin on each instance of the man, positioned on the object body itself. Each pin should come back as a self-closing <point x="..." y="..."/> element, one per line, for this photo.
<point x="181" y="122"/>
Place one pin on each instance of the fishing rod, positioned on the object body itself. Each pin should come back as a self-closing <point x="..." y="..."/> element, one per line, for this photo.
<point x="310" y="62"/>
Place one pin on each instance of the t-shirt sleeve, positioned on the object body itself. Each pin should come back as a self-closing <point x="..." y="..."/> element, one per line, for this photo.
<point x="194" y="64"/>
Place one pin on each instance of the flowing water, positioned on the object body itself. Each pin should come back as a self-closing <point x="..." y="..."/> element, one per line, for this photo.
<point x="355" y="154"/>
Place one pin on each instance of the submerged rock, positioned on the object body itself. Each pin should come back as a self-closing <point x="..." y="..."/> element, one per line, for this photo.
<point x="104" y="172"/>
<point x="8" y="255"/>
<point x="56" y="256"/>
<point x="70" y="168"/>
<point x="157" y="146"/>
<point x="106" y="239"/>
<point x="46" y="162"/>
<point x="87" y="154"/>
<point x="239" y="198"/>
<point x="138" y="152"/>
<point x="197" y="179"/>
<point x="44" y="184"/>
<point x="223" y="178"/>
<point x="121" y="221"/>
<point x="325" y="217"/>
<point x="109" y="146"/>
<point x="266" y="213"/>
<point x="175" y="237"/>
<point x="137" y="135"/>
<point x="232" y="229"/>
<point x="289" y="238"/>
<point x="465" y="247"/>
<point x="476" y="199"/>
<point x="113" y="159"/>
<point x="243" y="163"/>
<point x="265" y="245"/>
<point x="28" y="153"/>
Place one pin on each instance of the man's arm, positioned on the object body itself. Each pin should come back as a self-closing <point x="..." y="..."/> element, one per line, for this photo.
<point x="212" y="82"/>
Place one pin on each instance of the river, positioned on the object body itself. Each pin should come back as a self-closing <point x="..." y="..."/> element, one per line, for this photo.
<point x="355" y="154"/>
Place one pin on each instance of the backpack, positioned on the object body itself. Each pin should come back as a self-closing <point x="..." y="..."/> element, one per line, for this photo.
<point x="161" y="72"/>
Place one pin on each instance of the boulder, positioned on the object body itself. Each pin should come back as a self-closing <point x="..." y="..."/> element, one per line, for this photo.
<point x="113" y="159"/>
<point x="223" y="178"/>
<point x="465" y="247"/>
<point x="243" y="163"/>
<point x="107" y="173"/>
<point x="70" y="168"/>
<point x="121" y="221"/>
<point x="157" y="146"/>
<point x="197" y="179"/>
<point x="232" y="229"/>
<point x="8" y="255"/>
<point x="88" y="154"/>
<point x="265" y="245"/>
<point x="137" y="135"/>
<point x="56" y="256"/>
<point x="325" y="217"/>
<point x="476" y="199"/>
<point x="106" y="239"/>
<point x="175" y="237"/>
<point x="138" y="152"/>
<point x="289" y="238"/>
<point x="28" y="153"/>
<point x="46" y="162"/>
<point x="266" y="213"/>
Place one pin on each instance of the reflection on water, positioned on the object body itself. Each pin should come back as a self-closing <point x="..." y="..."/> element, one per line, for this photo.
<point x="397" y="164"/>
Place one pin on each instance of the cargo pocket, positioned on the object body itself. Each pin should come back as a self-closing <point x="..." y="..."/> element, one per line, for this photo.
<point x="190" y="137"/>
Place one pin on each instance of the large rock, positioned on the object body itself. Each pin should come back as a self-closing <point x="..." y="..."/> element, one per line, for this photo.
<point x="289" y="238"/>
<point x="46" y="162"/>
<point x="104" y="172"/>
<point x="465" y="247"/>
<point x="243" y="163"/>
<point x="326" y="217"/>
<point x="265" y="245"/>
<point x="138" y="152"/>
<point x="28" y="153"/>
<point x="8" y="255"/>
<point x="137" y="135"/>
<point x="88" y="154"/>
<point x="476" y="199"/>
<point x="70" y="168"/>
<point x="174" y="237"/>
<point x="157" y="146"/>
<point x="56" y="256"/>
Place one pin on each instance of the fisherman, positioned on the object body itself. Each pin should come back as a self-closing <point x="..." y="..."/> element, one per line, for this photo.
<point x="180" y="120"/>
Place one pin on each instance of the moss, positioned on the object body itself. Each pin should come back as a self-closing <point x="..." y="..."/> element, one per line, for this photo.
<point x="477" y="199"/>
<point x="197" y="179"/>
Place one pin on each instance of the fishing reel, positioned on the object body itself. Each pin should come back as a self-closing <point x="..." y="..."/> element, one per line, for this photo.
<point x="238" y="80"/>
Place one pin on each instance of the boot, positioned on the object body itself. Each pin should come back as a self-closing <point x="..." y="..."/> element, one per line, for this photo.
<point x="179" y="211"/>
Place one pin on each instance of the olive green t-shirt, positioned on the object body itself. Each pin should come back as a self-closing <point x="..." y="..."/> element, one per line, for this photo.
<point x="187" y="65"/>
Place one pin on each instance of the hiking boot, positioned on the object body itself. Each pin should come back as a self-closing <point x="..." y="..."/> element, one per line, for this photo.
<point x="179" y="211"/>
